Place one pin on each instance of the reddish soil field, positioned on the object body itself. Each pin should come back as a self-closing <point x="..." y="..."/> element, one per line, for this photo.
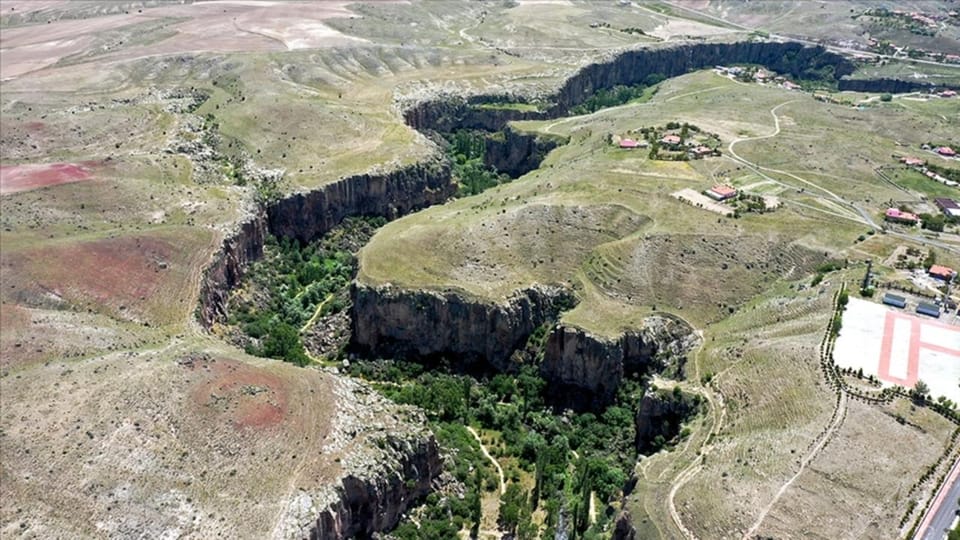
<point x="16" y="178"/>
<point x="245" y="396"/>
<point x="139" y="278"/>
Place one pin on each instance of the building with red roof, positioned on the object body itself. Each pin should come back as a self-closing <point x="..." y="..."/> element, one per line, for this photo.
<point x="701" y="151"/>
<point x="721" y="192"/>
<point x="671" y="139"/>
<point x="942" y="272"/>
<point x="628" y="143"/>
<point x="945" y="151"/>
<point x="912" y="161"/>
<point x="897" y="216"/>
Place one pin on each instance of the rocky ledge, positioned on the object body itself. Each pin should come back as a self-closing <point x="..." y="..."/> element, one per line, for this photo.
<point x="577" y="359"/>
<point x="307" y="216"/>
<point x="388" y="461"/>
<point x="398" y="323"/>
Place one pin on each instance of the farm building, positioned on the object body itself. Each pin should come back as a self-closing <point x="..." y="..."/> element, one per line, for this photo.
<point x="912" y="161"/>
<point x="925" y="308"/>
<point x="942" y="272"/>
<point x="629" y="143"/>
<point x="949" y="206"/>
<point x="671" y="139"/>
<point x="721" y="192"/>
<point x="897" y="216"/>
<point x="894" y="300"/>
<point x="701" y="151"/>
<point x="945" y="151"/>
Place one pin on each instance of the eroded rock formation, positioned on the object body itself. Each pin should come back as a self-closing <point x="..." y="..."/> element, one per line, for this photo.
<point x="376" y="502"/>
<point x="577" y="359"/>
<point x="307" y="216"/>
<point x="398" y="323"/>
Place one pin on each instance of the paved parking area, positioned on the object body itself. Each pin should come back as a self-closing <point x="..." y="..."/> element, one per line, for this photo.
<point x="900" y="348"/>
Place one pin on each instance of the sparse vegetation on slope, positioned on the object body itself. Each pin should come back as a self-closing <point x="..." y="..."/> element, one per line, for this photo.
<point x="291" y="285"/>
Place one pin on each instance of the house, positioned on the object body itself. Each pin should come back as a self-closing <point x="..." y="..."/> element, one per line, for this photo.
<point x="701" y="151"/>
<point x="912" y="161"/>
<point x="671" y="140"/>
<point x="721" y="192"/>
<point x="947" y="93"/>
<point x="897" y="216"/>
<point x="791" y="85"/>
<point x="945" y="151"/>
<point x="949" y="206"/>
<point x="925" y="308"/>
<point x="894" y="300"/>
<point x="628" y="143"/>
<point x="941" y="272"/>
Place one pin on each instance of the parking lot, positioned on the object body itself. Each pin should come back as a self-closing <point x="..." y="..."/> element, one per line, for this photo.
<point x="900" y="348"/>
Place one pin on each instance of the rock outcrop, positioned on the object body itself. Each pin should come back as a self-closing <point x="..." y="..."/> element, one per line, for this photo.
<point x="453" y="113"/>
<point x="397" y="323"/>
<point x="596" y="366"/>
<point x="662" y="414"/>
<point x="228" y="266"/>
<point x="376" y="502"/>
<point x="633" y="67"/>
<point x="307" y="216"/>
<point x="623" y="527"/>
<point x="517" y="153"/>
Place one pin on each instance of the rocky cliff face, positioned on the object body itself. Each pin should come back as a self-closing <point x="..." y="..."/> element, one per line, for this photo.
<point x="623" y="527"/>
<point x="375" y="503"/>
<point x="453" y="113"/>
<point x="892" y="86"/>
<point x="228" y="266"/>
<point x="390" y="322"/>
<point x="662" y="414"/>
<point x="596" y="366"/>
<point x="517" y="153"/>
<point x="633" y="67"/>
<point x="307" y="216"/>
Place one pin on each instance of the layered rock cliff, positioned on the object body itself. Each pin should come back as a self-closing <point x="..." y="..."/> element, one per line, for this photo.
<point x="376" y="502"/>
<point x="478" y="112"/>
<point x="517" y="153"/>
<point x="596" y="366"/>
<point x="307" y="216"/>
<point x="662" y="413"/>
<point x="633" y="67"/>
<point x="398" y="323"/>
<point x="228" y="266"/>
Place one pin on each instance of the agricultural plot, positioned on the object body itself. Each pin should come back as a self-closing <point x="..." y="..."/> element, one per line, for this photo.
<point x="899" y="348"/>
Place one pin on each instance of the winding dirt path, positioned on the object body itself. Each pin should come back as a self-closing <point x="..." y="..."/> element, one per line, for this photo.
<point x="836" y="420"/>
<point x="503" y="485"/>
<point x="839" y="413"/>
<point x="316" y="313"/>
